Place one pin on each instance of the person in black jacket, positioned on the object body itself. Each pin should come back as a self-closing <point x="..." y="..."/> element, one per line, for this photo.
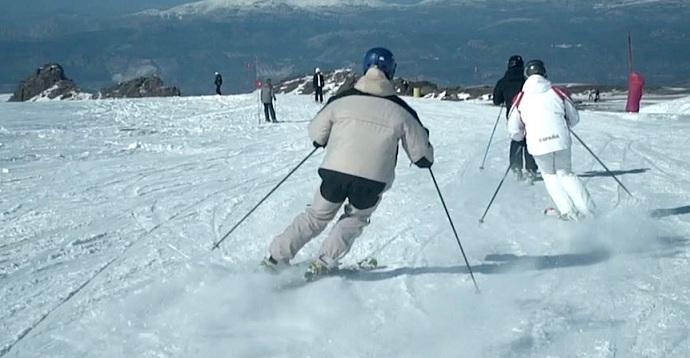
<point x="219" y="82"/>
<point x="318" y="85"/>
<point x="405" y="87"/>
<point x="506" y="89"/>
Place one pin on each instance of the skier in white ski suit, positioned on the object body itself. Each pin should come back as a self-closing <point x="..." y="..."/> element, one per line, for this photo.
<point x="544" y="114"/>
<point x="360" y="129"/>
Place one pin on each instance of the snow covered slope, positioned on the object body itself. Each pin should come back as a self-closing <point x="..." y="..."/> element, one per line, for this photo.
<point x="109" y="209"/>
<point x="678" y="106"/>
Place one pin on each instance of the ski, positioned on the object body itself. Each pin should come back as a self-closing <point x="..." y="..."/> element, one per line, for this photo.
<point x="553" y="212"/>
<point x="366" y="265"/>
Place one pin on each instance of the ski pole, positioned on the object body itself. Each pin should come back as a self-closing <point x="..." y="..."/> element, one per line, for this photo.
<point x="481" y="221"/>
<point x="217" y="244"/>
<point x="258" y="108"/>
<point x="602" y="163"/>
<point x="491" y="138"/>
<point x="517" y="150"/>
<point x="452" y="226"/>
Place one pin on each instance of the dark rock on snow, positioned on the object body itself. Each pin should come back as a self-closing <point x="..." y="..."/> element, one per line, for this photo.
<point x="148" y="86"/>
<point x="48" y="81"/>
<point x="335" y="82"/>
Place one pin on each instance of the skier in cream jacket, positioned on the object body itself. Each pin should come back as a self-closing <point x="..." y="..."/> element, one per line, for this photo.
<point x="544" y="114"/>
<point x="360" y="129"/>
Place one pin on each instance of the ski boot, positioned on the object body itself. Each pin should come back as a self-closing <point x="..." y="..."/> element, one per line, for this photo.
<point x="369" y="263"/>
<point x="518" y="173"/>
<point x="316" y="270"/>
<point x="571" y="216"/>
<point x="271" y="265"/>
<point x="531" y="177"/>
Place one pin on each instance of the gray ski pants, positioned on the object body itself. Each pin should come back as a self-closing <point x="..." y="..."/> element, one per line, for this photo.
<point x="313" y="221"/>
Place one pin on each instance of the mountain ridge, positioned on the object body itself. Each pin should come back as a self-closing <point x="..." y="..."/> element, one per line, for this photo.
<point x="223" y="7"/>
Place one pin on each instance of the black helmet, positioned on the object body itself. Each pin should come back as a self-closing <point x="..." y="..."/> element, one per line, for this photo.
<point x="515" y="61"/>
<point x="535" y="67"/>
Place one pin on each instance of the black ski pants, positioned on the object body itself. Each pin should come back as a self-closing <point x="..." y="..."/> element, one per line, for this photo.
<point x="318" y="94"/>
<point x="518" y="150"/>
<point x="362" y="193"/>
<point x="268" y="108"/>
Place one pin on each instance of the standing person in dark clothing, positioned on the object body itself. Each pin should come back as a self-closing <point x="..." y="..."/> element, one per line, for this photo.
<point x="405" y="87"/>
<point x="219" y="82"/>
<point x="267" y="98"/>
<point x="318" y="85"/>
<point x="504" y="92"/>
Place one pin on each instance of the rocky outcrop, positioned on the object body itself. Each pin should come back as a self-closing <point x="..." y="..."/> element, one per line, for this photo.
<point x="346" y="80"/>
<point x="343" y="79"/>
<point x="148" y="86"/>
<point x="49" y="82"/>
<point x="334" y="82"/>
<point x="340" y="80"/>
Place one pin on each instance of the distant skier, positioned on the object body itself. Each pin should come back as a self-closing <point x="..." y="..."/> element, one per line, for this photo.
<point x="505" y="91"/>
<point x="405" y="88"/>
<point x="543" y="114"/>
<point x="267" y="98"/>
<point x="219" y="82"/>
<point x="360" y="129"/>
<point x="318" y="85"/>
<point x="597" y="94"/>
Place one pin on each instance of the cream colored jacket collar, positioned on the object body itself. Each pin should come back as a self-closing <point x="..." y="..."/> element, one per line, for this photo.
<point x="375" y="82"/>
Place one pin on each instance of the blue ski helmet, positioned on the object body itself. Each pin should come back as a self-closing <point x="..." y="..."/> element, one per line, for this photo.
<point x="381" y="58"/>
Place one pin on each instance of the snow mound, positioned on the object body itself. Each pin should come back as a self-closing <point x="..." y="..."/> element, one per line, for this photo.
<point x="678" y="106"/>
<point x="55" y="94"/>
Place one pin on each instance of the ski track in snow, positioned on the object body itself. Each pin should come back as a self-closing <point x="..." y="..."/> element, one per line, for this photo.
<point x="109" y="209"/>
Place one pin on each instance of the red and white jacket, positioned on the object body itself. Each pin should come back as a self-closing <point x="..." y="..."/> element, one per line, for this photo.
<point x="543" y="114"/>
